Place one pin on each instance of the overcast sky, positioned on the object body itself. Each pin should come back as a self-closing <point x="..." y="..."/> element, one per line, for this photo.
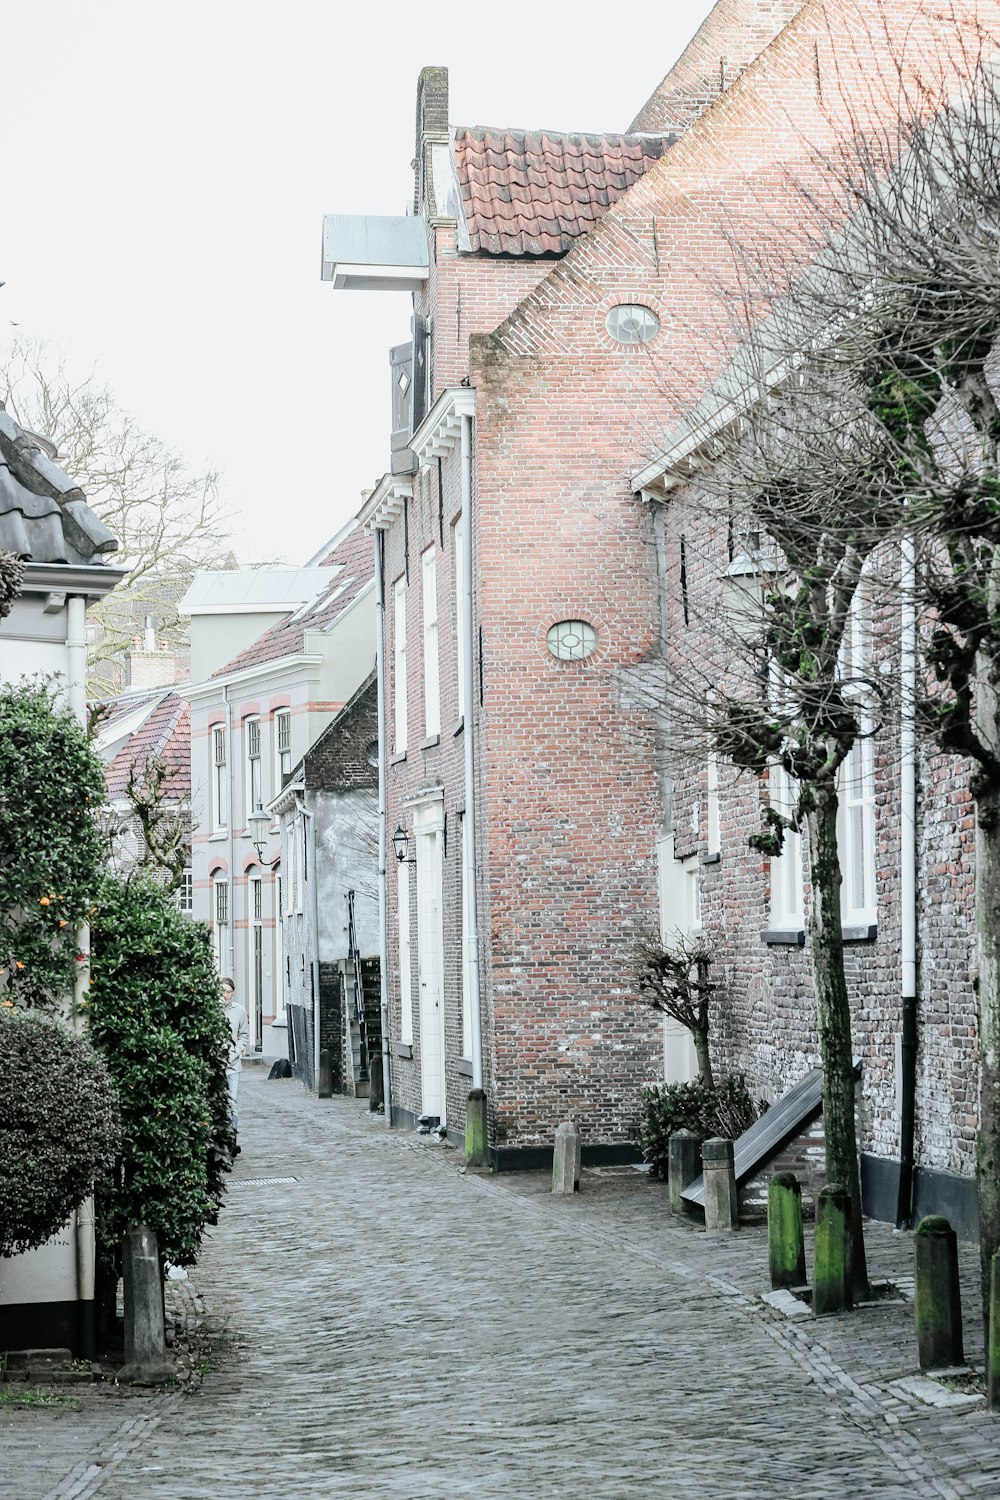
<point x="167" y="170"/>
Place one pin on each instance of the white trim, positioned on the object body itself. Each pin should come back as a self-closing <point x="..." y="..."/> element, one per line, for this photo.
<point x="441" y="429"/>
<point x="431" y="648"/>
<point x="386" y="501"/>
<point x="193" y="691"/>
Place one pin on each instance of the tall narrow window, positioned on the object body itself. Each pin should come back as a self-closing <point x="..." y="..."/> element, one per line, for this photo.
<point x="282" y="748"/>
<point x="403" y="919"/>
<point x="220" y="782"/>
<point x="458" y="532"/>
<point x="399" y="663"/>
<point x="432" y="684"/>
<point x="220" y="913"/>
<point x="185" y="891"/>
<point x="712" y="826"/>
<point x="253" y="784"/>
<point x="786" y="867"/>
<point x="856" y="824"/>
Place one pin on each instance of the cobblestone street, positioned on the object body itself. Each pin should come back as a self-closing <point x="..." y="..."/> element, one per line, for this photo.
<point x="394" y="1328"/>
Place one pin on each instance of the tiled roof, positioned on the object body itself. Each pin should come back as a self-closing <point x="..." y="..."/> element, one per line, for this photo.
<point x="351" y="565"/>
<point x="535" y="193"/>
<point x="164" y="735"/>
<point x="44" y="516"/>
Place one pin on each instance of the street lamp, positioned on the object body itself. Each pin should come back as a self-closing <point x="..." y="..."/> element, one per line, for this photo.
<point x="259" y="823"/>
<point x="401" y="845"/>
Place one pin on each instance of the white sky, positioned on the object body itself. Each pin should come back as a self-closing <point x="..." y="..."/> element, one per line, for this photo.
<point x="167" y="170"/>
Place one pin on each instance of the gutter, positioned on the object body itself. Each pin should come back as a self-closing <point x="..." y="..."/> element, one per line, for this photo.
<point x="907" y="890"/>
<point x="469" y="820"/>
<point x="230" y="836"/>
<point x="378" y="540"/>
<point x="314" y="921"/>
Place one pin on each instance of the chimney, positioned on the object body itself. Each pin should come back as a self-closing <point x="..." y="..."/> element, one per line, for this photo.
<point x="432" y="128"/>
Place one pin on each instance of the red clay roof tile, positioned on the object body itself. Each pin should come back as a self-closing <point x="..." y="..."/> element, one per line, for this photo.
<point x="164" y="735"/>
<point x="529" y="193"/>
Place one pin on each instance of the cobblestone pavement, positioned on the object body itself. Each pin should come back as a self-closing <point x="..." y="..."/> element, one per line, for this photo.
<point x="398" y="1329"/>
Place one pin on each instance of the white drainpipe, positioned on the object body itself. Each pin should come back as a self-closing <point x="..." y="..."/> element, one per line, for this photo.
<point x="469" y="821"/>
<point x="907" y="884"/>
<point x="382" y="841"/>
<point x="310" y="823"/>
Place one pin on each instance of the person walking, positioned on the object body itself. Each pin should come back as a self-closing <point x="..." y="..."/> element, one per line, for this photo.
<point x="239" y="1028"/>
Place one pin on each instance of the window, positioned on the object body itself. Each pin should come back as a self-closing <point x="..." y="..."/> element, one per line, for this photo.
<point x="856" y="824"/>
<point x="458" y="532"/>
<point x="399" y="662"/>
<point x="712" y="829"/>
<point x="694" y="896"/>
<point x="220" y="781"/>
<point x="572" y="640"/>
<point x="786" y="867"/>
<point x="631" y="323"/>
<point x="282" y="748"/>
<point x="220" y="914"/>
<point x="254" y="785"/>
<point x="185" y="891"/>
<point x="403" y="919"/>
<point x="432" y="684"/>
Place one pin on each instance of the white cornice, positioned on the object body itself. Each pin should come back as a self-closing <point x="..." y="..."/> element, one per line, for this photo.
<point x="439" y="431"/>
<point x="385" y="501"/>
<point x="249" y="674"/>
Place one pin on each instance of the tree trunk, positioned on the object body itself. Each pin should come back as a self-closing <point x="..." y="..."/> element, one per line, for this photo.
<point x="826" y="939"/>
<point x="988" y="1006"/>
<point x="704" y="1058"/>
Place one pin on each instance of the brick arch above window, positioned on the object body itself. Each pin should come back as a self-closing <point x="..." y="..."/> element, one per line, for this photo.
<point x="217" y="868"/>
<point x="574" y="610"/>
<point x="630" y="296"/>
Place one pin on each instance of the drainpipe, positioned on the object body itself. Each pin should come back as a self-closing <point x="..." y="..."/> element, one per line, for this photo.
<point x="907" y="888"/>
<point x="379" y="541"/>
<point x="231" y="841"/>
<point x="83" y="1218"/>
<point x="469" y="821"/>
<point x="310" y="823"/>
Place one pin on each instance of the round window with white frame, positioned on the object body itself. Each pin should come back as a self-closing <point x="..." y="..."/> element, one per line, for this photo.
<point x="571" y="640"/>
<point x="632" y="323"/>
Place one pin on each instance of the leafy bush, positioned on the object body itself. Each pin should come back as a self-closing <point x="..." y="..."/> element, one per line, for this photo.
<point x="724" y="1108"/>
<point x="156" y="1016"/>
<point x="51" y="850"/>
<point x="58" y="1124"/>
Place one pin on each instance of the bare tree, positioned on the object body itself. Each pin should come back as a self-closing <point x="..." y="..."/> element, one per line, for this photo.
<point x="11" y="573"/>
<point x="673" y="979"/>
<point x="168" y="519"/>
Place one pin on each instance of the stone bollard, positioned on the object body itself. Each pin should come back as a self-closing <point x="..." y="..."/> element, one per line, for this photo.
<point x="476" y="1154"/>
<point x="376" y="1085"/>
<point x="938" y="1302"/>
<point x="722" y="1212"/>
<point x="146" y="1360"/>
<point x="683" y="1166"/>
<point x="993" y="1352"/>
<point x="786" y="1246"/>
<point x="324" y="1084"/>
<point x="566" y="1158"/>
<point x="832" y="1279"/>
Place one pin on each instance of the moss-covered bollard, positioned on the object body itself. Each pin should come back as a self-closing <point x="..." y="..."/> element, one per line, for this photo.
<point x="786" y="1246"/>
<point x="475" y="1129"/>
<point x="832" y="1274"/>
<point x="993" y="1352"/>
<point x="938" y="1300"/>
<point x="683" y="1166"/>
<point x="566" y="1158"/>
<point x="722" y="1213"/>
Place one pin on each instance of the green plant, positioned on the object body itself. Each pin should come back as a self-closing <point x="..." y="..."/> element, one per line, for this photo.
<point x="22" y="1399"/>
<point x="156" y="1017"/>
<point x="51" y="850"/>
<point x="58" y="1123"/>
<point x="724" y="1108"/>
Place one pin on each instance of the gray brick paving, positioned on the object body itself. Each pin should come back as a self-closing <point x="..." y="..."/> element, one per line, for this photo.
<point x="401" y="1330"/>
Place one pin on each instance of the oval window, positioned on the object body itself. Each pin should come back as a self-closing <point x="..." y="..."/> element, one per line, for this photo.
<point x="571" y="640"/>
<point x="631" y="323"/>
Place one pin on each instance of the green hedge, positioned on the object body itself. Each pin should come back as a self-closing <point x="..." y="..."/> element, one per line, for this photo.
<point x="724" y="1109"/>
<point x="59" y="1127"/>
<point x="156" y="1016"/>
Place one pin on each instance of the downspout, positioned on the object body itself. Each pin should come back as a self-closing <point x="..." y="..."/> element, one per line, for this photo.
<point x="907" y="888"/>
<point x="310" y="823"/>
<point x="83" y="1218"/>
<point x="469" y="820"/>
<point x="379" y="541"/>
<point x="231" y="841"/>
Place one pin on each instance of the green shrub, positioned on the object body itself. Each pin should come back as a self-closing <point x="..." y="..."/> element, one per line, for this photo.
<point x="724" y="1108"/>
<point x="51" y="849"/>
<point x="59" y="1127"/>
<point x="156" y="1016"/>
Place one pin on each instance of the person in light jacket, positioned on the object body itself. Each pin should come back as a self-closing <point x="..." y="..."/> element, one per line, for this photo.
<point x="239" y="1027"/>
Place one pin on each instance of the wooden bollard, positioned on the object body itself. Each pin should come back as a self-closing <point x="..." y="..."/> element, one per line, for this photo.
<point x="683" y="1166"/>
<point x="722" y="1213"/>
<point x="938" y="1300"/>
<point x="324" y="1083"/>
<point x="566" y="1158"/>
<point x="832" y="1278"/>
<point x="475" y="1129"/>
<point x="786" y="1246"/>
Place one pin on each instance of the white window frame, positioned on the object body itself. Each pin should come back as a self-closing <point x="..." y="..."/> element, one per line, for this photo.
<point x="856" y="781"/>
<point x="282" y="728"/>
<point x="405" y="962"/>
<point x="221" y="920"/>
<point x="432" y="666"/>
<point x="787" y="889"/>
<point x="713" y="827"/>
<point x="185" y="891"/>
<point x="458" y="533"/>
<point x="218" y="751"/>
<point x="253" y="764"/>
<point x="399" y="665"/>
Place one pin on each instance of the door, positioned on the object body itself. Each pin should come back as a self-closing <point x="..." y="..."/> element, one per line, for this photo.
<point x="430" y="963"/>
